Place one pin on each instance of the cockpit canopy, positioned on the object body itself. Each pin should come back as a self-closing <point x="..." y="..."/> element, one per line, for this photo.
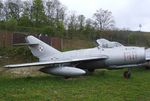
<point x="103" y="43"/>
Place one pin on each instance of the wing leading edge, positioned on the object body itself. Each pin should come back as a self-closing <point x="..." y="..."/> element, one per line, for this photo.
<point x="56" y="62"/>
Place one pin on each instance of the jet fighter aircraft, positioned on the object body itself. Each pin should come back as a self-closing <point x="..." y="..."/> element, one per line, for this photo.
<point x="109" y="55"/>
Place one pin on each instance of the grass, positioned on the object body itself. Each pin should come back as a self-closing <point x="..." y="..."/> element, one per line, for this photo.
<point x="103" y="85"/>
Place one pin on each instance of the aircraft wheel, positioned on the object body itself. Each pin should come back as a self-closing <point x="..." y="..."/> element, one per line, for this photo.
<point x="67" y="77"/>
<point x="127" y="74"/>
<point x="147" y="67"/>
<point x="91" y="70"/>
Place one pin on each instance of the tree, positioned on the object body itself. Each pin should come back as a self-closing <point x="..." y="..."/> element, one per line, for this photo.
<point x="26" y="17"/>
<point x="72" y="24"/>
<point x="27" y="9"/>
<point x="50" y="11"/>
<point x="89" y="23"/>
<point x="89" y="29"/>
<point x="25" y="22"/>
<point x="103" y="19"/>
<point x="55" y="12"/>
<point x="11" y="24"/>
<point x="13" y="9"/>
<point x="81" y="22"/>
<point x="38" y="13"/>
<point x="1" y="11"/>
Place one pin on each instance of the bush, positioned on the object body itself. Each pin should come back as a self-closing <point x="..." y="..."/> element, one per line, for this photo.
<point x="11" y="24"/>
<point x="49" y="30"/>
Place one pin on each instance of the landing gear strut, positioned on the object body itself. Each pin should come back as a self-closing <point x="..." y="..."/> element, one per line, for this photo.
<point x="67" y="77"/>
<point x="91" y="70"/>
<point x="127" y="74"/>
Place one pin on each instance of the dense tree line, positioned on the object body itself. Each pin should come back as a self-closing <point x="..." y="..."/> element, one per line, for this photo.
<point x="52" y="18"/>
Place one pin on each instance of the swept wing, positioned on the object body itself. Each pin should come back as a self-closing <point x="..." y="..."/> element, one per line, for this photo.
<point x="56" y="62"/>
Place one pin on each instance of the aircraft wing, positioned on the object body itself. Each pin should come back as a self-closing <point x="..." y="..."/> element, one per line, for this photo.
<point x="57" y="62"/>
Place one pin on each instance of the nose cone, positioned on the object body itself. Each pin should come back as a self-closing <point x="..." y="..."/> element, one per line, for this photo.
<point x="81" y="72"/>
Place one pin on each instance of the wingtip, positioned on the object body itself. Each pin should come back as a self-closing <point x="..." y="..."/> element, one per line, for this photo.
<point x="6" y="66"/>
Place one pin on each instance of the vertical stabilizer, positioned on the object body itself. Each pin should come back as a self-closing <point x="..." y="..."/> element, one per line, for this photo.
<point x="40" y="49"/>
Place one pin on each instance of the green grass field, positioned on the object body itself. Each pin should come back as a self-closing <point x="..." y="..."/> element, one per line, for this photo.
<point x="103" y="85"/>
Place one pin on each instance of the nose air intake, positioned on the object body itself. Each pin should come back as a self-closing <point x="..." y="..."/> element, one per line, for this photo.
<point x="147" y="54"/>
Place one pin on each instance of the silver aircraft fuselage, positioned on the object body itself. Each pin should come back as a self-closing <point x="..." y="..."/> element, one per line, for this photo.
<point x="116" y="57"/>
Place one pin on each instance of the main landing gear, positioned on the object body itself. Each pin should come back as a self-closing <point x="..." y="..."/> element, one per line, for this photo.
<point x="127" y="74"/>
<point x="91" y="70"/>
<point x="67" y="77"/>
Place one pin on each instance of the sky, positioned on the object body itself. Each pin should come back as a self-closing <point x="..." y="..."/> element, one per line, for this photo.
<point x="128" y="14"/>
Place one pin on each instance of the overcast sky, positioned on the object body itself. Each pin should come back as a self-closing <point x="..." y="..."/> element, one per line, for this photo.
<point x="127" y="13"/>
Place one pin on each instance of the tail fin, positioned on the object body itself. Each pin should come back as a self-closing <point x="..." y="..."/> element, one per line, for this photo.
<point x="40" y="49"/>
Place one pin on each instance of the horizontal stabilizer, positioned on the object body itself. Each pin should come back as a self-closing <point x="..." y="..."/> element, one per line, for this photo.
<point x="26" y="44"/>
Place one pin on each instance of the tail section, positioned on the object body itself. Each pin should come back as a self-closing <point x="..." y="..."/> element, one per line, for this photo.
<point x="40" y="49"/>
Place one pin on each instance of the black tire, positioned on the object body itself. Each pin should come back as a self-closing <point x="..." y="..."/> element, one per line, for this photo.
<point x="127" y="75"/>
<point x="147" y="67"/>
<point x="91" y="70"/>
<point x="67" y="77"/>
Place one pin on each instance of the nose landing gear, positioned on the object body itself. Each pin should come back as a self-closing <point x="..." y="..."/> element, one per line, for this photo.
<point x="127" y="74"/>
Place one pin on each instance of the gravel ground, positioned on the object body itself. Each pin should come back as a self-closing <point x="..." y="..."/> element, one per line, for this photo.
<point x="25" y="71"/>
